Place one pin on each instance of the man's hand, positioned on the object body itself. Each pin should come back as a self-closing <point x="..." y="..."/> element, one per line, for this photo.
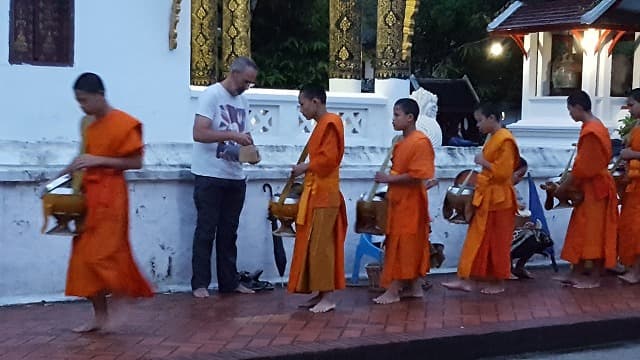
<point x="627" y="154"/>
<point x="382" y="177"/>
<point x="297" y="170"/>
<point x="431" y="183"/>
<point x="85" y="161"/>
<point x="479" y="159"/>
<point x="242" y="138"/>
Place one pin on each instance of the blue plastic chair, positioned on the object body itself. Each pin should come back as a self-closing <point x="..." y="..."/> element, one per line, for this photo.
<point x="365" y="247"/>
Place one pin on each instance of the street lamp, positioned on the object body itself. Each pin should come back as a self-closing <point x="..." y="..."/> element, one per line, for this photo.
<point x="496" y="49"/>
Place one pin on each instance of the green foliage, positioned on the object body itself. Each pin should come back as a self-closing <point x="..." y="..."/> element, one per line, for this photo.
<point x="290" y="42"/>
<point x="626" y="124"/>
<point x="451" y="40"/>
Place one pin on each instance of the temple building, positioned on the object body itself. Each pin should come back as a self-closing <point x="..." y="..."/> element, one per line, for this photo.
<point x="570" y="45"/>
<point x="156" y="58"/>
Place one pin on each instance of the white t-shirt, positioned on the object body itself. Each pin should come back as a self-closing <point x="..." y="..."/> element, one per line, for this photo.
<point x="228" y="113"/>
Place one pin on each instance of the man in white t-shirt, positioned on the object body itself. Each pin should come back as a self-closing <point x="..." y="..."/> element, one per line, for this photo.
<point x="221" y="126"/>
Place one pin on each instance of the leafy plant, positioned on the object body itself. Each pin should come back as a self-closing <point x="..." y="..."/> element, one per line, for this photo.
<point x="290" y="42"/>
<point x="451" y="41"/>
<point x="626" y="124"/>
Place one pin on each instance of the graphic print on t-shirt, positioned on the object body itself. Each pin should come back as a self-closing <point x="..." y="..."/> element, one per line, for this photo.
<point x="231" y="119"/>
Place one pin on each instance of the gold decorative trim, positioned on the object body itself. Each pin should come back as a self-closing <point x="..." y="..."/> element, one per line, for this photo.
<point x="173" y="24"/>
<point x="236" y="34"/>
<point x="410" y="11"/>
<point x="393" y="46"/>
<point x="204" y="51"/>
<point x="345" y="47"/>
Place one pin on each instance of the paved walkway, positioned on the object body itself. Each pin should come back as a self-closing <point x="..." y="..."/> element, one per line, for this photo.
<point x="177" y="326"/>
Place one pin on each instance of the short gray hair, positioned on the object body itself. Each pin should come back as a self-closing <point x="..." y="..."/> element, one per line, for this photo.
<point x="242" y="63"/>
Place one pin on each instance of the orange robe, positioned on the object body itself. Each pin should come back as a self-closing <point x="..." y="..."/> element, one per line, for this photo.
<point x="321" y="226"/>
<point x="406" y="255"/>
<point x="486" y="251"/>
<point x="101" y="259"/>
<point x="629" y="226"/>
<point x="591" y="234"/>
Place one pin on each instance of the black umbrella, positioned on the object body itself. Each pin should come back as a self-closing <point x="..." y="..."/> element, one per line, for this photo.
<point x="278" y="248"/>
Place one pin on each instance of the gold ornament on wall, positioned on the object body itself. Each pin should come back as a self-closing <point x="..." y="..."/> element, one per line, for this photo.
<point x="173" y="24"/>
<point x="345" y="48"/>
<point x="394" y="36"/>
<point x="204" y="52"/>
<point x="410" y="11"/>
<point x="236" y="34"/>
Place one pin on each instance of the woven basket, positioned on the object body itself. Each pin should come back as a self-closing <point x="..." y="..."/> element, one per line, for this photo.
<point x="374" y="270"/>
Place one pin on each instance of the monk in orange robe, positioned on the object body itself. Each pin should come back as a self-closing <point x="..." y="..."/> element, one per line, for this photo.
<point x="406" y="255"/>
<point x="101" y="261"/>
<point x="486" y="252"/>
<point x="321" y="225"/>
<point x="629" y="226"/>
<point x="591" y="235"/>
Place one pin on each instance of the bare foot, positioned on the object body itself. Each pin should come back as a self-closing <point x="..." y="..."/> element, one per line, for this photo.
<point x="311" y="302"/>
<point x="629" y="278"/>
<point x="427" y="285"/>
<point x="243" y="290"/>
<point x="389" y="297"/>
<point x="522" y="273"/>
<point x="414" y="291"/>
<point x="461" y="285"/>
<point x="492" y="289"/>
<point x="119" y="312"/>
<point x="323" y="306"/>
<point x="586" y="283"/>
<point x="565" y="279"/>
<point x="93" y="325"/>
<point x="201" y="293"/>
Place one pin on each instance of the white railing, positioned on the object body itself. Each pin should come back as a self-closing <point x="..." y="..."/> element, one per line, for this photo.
<point x="276" y="119"/>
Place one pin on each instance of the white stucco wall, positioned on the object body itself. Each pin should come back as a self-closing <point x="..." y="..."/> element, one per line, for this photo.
<point x="33" y="266"/>
<point x="542" y="114"/>
<point x="126" y="43"/>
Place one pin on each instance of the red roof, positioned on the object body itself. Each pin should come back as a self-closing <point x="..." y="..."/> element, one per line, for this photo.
<point x="522" y="17"/>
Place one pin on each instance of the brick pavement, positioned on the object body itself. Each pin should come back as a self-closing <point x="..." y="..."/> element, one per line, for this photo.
<point x="177" y="326"/>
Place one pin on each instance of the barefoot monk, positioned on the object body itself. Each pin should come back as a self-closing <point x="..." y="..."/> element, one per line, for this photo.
<point x="590" y="244"/>
<point x="486" y="252"/>
<point x="318" y="255"/>
<point x="406" y="256"/>
<point x="101" y="261"/>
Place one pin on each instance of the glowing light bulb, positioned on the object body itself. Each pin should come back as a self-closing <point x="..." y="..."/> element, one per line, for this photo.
<point x="590" y="40"/>
<point x="496" y="49"/>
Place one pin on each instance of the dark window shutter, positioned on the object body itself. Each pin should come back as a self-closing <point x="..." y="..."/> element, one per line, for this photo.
<point x="42" y="32"/>
<point x="21" y="31"/>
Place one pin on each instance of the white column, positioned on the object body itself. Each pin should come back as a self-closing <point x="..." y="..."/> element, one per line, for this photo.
<point x="603" y="106"/>
<point x="636" y="66"/>
<point x="545" y="121"/>
<point x="345" y="85"/>
<point x="544" y="64"/>
<point x="393" y="89"/>
<point x="529" y="66"/>
<point x="590" y="61"/>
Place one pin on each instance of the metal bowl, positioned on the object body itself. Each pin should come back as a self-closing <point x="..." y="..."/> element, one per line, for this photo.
<point x="456" y="190"/>
<point x="287" y="201"/>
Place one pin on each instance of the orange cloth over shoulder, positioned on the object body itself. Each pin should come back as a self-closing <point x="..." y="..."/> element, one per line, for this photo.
<point x="321" y="190"/>
<point x="486" y="250"/>
<point x="591" y="234"/>
<point x="629" y="226"/>
<point x="101" y="258"/>
<point x="407" y="244"/>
